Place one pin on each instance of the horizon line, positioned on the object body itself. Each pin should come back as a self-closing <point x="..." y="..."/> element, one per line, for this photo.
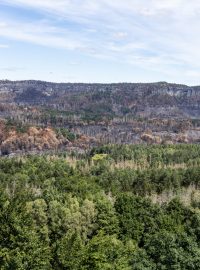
<point x="106" y="83"/>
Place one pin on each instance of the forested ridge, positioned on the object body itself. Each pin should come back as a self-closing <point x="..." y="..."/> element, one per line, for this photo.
<point x="121" y="113"/>
<point x="114" y="207"/>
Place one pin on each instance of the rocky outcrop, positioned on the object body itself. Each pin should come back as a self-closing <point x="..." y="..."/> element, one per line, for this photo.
<point x="147" y="99"/>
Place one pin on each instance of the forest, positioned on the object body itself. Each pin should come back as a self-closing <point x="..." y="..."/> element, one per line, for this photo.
<point x="116" y="207"/>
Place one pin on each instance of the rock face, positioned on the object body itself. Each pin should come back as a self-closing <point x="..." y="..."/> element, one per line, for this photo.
<point x="148" y="99"/>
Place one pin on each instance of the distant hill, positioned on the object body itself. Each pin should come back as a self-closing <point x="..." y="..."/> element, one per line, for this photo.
<point x="141" y="99"/>
<point x="120" y="113"/>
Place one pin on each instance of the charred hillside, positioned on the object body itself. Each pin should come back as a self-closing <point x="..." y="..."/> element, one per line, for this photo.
<point x="141" y="99"/>
<point x="125" y="113"/>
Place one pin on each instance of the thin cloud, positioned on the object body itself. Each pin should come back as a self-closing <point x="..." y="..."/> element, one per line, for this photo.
<point x="39" y="33"/>
<point x="11" y="69"/>
<point x="4" y="46"/>
<point x="154" y="34"/>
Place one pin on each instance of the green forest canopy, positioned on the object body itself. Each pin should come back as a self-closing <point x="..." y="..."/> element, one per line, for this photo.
<point x="97" y="216"/>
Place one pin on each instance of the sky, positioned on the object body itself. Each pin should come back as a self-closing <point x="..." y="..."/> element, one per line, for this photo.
<point x="100" y="40"/>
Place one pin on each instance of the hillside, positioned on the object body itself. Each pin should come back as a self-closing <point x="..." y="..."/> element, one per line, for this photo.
<point x="124" y="113"/>
<point x="147" y="99"/>
<point x="18" y="139"/>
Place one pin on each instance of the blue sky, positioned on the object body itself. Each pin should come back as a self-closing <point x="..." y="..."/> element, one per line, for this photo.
<point x="100" y="40"/>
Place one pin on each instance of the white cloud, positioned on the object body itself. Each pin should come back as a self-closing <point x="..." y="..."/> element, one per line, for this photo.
<point x="193" y="73"/>
<point x="156" y="34"/>
<point x="4" y="46"/>
<point x="39" y="33"/>
<point x="120" y="35"/>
